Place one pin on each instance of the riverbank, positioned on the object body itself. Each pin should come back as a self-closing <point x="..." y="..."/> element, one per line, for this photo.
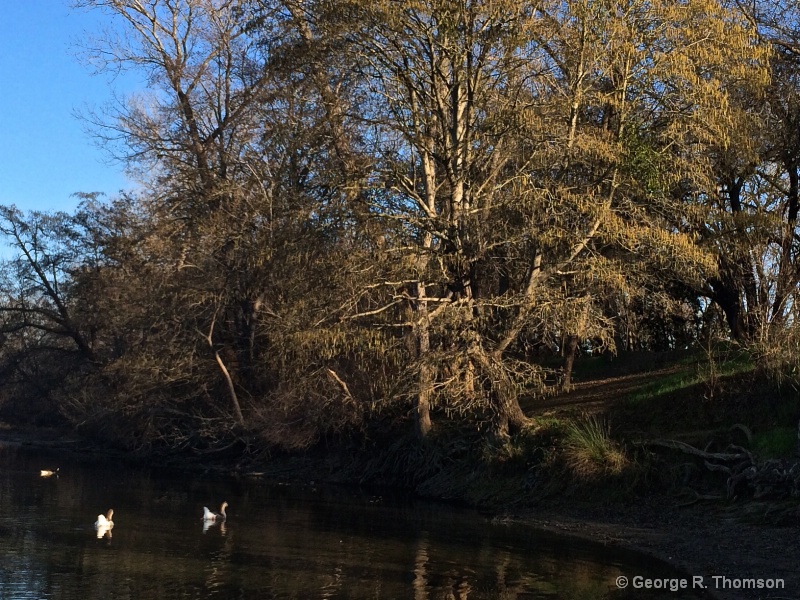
<point x="712" y="542"/>
<point x="709" y="540"/>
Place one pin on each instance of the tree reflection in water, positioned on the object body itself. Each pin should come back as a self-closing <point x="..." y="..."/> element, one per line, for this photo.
<point x="282" y="542"/>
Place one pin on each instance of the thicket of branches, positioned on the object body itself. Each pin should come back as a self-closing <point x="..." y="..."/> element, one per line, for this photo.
<point x="356" y="212"/>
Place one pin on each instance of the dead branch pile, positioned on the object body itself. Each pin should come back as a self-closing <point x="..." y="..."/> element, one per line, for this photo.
<point x="747" y="476"/>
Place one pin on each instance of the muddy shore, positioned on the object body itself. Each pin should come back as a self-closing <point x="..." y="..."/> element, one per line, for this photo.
<point x="702" y="540"/>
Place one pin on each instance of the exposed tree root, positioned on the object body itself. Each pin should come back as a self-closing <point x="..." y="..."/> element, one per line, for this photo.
<point x="774" y="478"/>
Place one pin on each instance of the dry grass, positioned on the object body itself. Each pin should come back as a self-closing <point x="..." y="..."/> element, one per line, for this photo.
<point x="590" y="452"/>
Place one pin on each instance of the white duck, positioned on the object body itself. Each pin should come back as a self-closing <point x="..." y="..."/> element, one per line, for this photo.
<point x="210" y="516"/>
<point x="104" y="523"/>
<point x="48" y="472"/>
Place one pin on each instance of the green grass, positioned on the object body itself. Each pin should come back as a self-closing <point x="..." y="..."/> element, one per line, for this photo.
<point x="725" y="362"/>
<point x="695" y="370"/>
<point x="665" y="384"/>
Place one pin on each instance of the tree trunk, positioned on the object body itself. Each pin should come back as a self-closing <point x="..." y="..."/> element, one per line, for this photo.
<point x="422" y="413"/>
<point x="508" y="416"/>
<point x="569" y="360"/>
<point x="787" y="272"/>
<point x="573" y="339"/>
<point x="726" y="295"/>
<point x="237" y="409"/>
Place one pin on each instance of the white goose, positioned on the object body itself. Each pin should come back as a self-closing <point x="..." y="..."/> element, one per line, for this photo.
<point x="48" y="473"/>
<point x="104" y="523"/>
<point x="210" y="516"/>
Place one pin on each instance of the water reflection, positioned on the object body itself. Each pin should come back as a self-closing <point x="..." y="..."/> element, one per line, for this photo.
<point x="277" y="542"/>
<point x="220" y="525"/>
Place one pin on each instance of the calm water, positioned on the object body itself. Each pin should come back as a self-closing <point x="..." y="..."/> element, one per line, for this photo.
<point x="279" y="542"/>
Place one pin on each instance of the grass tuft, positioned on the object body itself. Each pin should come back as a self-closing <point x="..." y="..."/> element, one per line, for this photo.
<point x="590" y="451"/>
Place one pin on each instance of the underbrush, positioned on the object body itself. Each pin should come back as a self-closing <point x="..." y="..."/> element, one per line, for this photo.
<point x="709" y="403"/>
<point x="544" y="461"/>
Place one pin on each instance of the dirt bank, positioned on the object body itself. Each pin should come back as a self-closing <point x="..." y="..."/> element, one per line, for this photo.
<point x="700" y="540"/>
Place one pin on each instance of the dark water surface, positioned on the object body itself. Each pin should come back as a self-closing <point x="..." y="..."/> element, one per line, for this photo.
<point x="278" y="542"/>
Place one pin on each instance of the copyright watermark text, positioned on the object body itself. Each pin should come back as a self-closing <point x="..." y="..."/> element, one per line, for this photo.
<point x="700" y="582"/>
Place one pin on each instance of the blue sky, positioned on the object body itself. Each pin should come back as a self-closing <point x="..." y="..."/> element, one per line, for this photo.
<point x="45" y="154"/>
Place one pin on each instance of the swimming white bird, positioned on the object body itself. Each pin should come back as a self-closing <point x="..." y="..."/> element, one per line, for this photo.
<point x="47" y="472"/>
<point x="212" y="516"/>
<point x="105" y="520"/>
<point x="104" y="524"/>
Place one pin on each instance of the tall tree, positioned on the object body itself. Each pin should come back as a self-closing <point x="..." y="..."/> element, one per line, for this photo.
<point x="754" y="218"/>
<point x="528" y="161"/>
<point x="38" y="282"/>
<point x="248" y="164"/>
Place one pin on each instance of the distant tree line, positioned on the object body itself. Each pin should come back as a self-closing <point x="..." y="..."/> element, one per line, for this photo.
<point x="357" y="212"/>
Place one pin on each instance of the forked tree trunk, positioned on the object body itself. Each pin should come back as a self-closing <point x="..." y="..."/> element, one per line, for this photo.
<point x="508" y="416"/>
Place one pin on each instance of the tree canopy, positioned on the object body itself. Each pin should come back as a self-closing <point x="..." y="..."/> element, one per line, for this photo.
<point x="356" y="210"/>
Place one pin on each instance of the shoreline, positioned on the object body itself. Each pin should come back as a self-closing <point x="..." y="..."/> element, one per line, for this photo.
<point x="701" y="540"/>
<point x="697" y="541"/>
